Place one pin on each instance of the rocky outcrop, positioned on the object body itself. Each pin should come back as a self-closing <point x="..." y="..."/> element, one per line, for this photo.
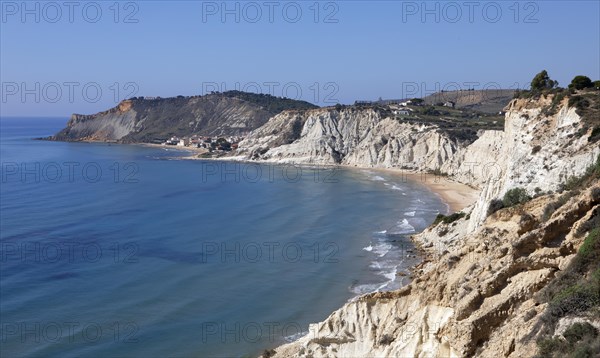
<point x="141" y="120"/>
<point x="537" y="152"/>
<point x="534" y="151"/>
<point x="475" y="292"/>
<point x="473" y="295"/>
<point x="350" y="136"/>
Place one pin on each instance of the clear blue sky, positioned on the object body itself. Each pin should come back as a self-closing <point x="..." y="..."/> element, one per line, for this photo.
<point x="389" y="49"/>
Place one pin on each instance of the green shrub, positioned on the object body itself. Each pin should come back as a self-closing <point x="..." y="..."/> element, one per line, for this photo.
<point x="595" y="134"/>
<point x="579" y="331"/>
<point x="578" y="102"/>
<point x="574" y="299"/>
<point x="580" y="342"/>
<point x="591" y="245"/>
<point x="448" y="219"/>
<point x="547" y="347"/>
<point x="514" y="197"/>
<point x="556" y="101"/>
<point x="583" y="294"/>
<point x="495" y="205"/>
<point x="574" y="182"/>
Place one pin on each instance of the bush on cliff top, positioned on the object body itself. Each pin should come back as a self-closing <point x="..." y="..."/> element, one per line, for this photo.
<point x="581" y="82"/>
<point x="512" y="197"/>
<point x="448" y="219"/>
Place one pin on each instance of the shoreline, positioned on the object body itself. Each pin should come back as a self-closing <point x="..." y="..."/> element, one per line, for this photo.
<point x="457" y="196"/>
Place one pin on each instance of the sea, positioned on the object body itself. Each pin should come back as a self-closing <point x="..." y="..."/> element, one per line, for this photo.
<point x="113" y="250"/>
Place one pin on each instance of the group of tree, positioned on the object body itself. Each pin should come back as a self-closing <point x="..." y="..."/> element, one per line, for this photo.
<point x="542" y="81"/>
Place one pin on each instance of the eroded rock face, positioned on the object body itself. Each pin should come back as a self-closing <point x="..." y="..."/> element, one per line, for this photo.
<point x="534" y="151"/>
<point x="351" y="136"/>
<point x="473" y="295"/>
<point x="143" y="120"/>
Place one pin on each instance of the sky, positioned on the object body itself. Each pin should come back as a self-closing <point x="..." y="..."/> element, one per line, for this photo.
<point x="63" y="57"/>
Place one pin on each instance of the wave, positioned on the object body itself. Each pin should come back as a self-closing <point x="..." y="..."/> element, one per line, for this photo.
<point x="409" y="213"/>
<point x="294" y="337"/>
<point x="382" y="249"/>
<point x="402" y="227"/>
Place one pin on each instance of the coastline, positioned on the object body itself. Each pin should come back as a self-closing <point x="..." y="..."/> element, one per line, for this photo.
<point x="194" y="152"/>
<point x="455" y="195"/>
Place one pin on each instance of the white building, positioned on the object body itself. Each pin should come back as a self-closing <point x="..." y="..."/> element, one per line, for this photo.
<point x="183" y="142"/>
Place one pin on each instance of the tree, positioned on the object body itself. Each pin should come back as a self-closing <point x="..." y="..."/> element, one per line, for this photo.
<point x="597" y="85"/>
<point x="581" y="82"/>
<point x="542" y="81"/>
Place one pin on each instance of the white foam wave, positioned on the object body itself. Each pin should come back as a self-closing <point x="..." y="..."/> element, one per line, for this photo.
<point x="295" y="337"/>
<point x="409" y="213"/>
<point x="403" y="227"/>
<point x="382" y="249"/>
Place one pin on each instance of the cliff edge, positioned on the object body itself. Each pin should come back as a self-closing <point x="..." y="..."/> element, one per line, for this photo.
<point x="508" y="281"/>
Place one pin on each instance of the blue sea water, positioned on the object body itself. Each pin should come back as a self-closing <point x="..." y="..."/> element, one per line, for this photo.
<point x="123" y="250"/>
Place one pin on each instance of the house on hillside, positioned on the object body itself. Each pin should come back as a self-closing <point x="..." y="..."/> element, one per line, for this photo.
<point x="449" y="104"/>
<point x="403" y="112"/>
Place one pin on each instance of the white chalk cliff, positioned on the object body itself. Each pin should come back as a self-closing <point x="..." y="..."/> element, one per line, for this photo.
<point x="473" y="295"/>
<point x="496" y="162"/>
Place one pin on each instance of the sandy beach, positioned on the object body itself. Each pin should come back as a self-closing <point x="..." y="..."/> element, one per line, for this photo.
<point x="457" y="195"/>
<point x="194" y="152"/>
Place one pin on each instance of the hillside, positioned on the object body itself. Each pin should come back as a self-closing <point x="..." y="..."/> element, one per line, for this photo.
<point x="486" y="101"/>
<point x="140" y="120"/>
